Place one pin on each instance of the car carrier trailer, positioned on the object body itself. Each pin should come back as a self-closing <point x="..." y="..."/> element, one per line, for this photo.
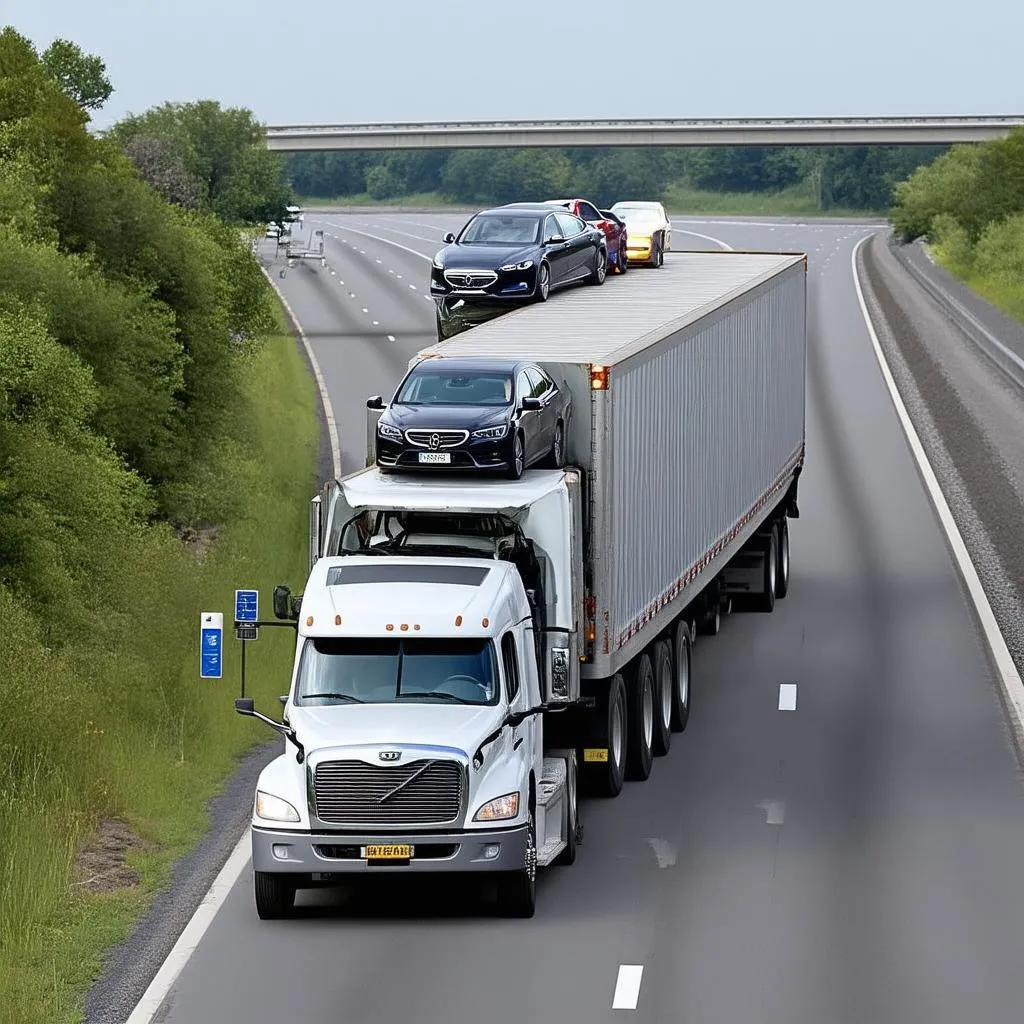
<point x="583" y="587"/>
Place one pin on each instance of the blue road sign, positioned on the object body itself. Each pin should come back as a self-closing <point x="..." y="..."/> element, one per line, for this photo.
<point x="247" y="605"/>
<point x="211" y="645"/>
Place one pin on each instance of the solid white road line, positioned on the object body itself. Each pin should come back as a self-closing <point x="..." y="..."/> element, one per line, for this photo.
<point x="387" y="241"/>
<point x="707" y="238"/>
<point x="146" y="1008"/>
<point x="1006" y="670"/>
<point x="627" y="987"/>
<point x="787" y="696"/>
<point x="325" y="398"/>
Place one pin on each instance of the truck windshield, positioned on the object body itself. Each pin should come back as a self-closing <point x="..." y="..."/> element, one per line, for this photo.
<point x="350" y="670"/>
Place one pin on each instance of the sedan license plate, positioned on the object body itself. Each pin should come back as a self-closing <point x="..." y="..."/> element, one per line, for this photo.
<point x="388" y="851"/>
<point x="435" y="457"/>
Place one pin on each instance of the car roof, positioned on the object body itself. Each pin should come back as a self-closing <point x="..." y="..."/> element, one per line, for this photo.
<point x="522" y="208"/>
<point x="642" y="203"/>
<point x="471" y="364"/>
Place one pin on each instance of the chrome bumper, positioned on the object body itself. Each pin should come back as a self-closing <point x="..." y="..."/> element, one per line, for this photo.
<point x="303" y="853"/>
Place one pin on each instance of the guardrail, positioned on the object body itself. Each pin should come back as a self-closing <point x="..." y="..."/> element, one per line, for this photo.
<point x="984" y="340"/>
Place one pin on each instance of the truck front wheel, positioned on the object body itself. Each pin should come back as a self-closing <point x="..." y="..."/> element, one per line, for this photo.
<point x="275" y="895"/>
<point x="517" y="892"/>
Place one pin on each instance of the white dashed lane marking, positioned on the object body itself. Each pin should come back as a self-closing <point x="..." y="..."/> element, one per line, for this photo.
<point x="787" y="696"/>
<point x="627" y="987"/>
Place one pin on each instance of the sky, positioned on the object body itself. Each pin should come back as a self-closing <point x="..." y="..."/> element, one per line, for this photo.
<point x="434" y="60"/>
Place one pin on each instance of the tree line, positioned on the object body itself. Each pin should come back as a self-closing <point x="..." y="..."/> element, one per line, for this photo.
<point x="858" y="177"/>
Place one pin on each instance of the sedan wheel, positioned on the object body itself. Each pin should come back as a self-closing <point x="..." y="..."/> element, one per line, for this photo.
<point x="557" y="458"/>
<point x="543" y="283"/>
<point x="600" y="268"/>
<point x="622" y="260"/>
<point x="518" y="463"/>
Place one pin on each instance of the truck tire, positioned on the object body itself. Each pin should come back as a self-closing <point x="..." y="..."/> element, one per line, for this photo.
<point x="782" y="578"/>
<point x="517" y="891"/>
<point x="568" y="855"/>
<point x="275" y="895"/>
<point x="765" y="601"/>
<point x="681" y="677"/>
<point x="639" y="752"/>
<point x="664" y="692"/>
<point x="609" y="731"/>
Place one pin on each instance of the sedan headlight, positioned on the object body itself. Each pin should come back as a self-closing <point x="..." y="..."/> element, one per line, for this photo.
<point x="273" y="808"/>
<point x="525" y="265"/>
<point x="386" y="430"/>
<point x="491" y="433"/>
<point x="436" y="263"/>
<point x="499" y="809"/>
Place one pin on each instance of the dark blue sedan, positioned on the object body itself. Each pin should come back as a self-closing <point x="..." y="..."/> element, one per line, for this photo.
<point x="498" y="415"/>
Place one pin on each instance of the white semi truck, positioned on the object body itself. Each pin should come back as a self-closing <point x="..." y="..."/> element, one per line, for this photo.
<point x="470" y="652"/>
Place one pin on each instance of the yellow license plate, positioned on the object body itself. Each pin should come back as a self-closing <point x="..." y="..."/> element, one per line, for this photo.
<point x="595" y="754"/>
<point x="384" y="851"/>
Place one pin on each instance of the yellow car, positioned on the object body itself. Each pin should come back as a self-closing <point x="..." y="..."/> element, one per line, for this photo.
<point x="649" y="231"/>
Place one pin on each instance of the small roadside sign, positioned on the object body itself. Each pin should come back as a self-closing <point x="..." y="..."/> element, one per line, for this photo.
<point x="211" y="645"/>
<point x="247" y="606"/>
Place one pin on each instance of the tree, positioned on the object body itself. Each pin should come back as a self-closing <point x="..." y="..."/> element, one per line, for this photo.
<point x="161" y="166"/>
<point x="80" y="75"/>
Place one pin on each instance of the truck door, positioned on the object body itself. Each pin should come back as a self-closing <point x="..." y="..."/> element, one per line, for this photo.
<point x="519" y="662"/>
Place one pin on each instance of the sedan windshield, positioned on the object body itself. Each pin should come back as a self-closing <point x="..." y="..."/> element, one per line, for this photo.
<point x="349" y="670"/>
<point x="456" y="389"/>
<point x="494" y="229"/>
<point x="639" y="217"/>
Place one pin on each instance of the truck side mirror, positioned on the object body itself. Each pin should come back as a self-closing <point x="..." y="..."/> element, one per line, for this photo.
<point x="282" y="609"/>
<point x="245" y="705"/>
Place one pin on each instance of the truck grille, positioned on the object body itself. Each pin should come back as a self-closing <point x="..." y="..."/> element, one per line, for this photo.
<point x="445" y="438"/>
<point x="419" y="793"/>
<point x="470" y="278"/>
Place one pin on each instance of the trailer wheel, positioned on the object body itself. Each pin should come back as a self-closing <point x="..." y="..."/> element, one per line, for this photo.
<point x="642" y="714"/>
<point x="517" y="891"/>
<point x="710" y="621"/>
<point x="664" y="691"/>
<point x="765" y="601"/>
<point x="608" y="732"/>
<point x="681" y="677"/>
<point x="782" y="579"/>
<point x="275" y="895"/>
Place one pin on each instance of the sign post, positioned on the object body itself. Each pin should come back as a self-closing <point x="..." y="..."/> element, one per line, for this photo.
<point x="211" y="645"/>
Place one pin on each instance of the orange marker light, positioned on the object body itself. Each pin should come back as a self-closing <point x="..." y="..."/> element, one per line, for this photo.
<point x="484" y="622"/>
<point x="405" y="627"/>
<point x="599" y="378"/>
<point x="417" y="626"/>
<point x="389" y="627"/>
<point x="337" y="620"/>
<point x="458" y="620"/>
<point x="309" y="620"/>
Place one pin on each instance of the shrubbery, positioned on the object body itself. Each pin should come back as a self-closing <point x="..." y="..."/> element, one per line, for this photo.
<point x="970" y="205"/>
<point x="148" y="395"/>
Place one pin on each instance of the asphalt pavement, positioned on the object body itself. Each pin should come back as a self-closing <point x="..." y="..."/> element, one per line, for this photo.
<point x="855" y="861"/>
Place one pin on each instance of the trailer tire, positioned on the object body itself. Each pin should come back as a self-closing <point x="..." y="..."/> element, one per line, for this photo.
<point x="711" y="621"/>
<point x="642" y="714"/>
<point x="681" y="677"/>
<point x="782" y="578"/>
<point x="610" y="731"/>
<point x="517" y="891"/>
<point x="275" y="895"/>
<point x="765" y="601"/>
<point x="664" y="692"/>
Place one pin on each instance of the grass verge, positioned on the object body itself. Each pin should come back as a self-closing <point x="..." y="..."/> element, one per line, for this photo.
<point x="797" y="201"/>
<point x="128" y="743"/>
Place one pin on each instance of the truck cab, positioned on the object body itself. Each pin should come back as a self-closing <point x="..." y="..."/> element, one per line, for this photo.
<point x="416" y="713"/>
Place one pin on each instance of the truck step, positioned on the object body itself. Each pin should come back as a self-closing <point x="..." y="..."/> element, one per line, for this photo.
<point x="552" y="780"/>
<point x="549" y="851"/>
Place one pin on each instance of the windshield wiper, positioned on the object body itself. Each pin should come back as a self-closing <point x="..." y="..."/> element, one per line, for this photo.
<point x="334" y="696"/>
<point x="434" y="695"/>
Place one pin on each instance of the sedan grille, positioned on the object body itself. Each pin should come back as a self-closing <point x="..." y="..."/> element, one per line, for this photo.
<point x="424" y="792"/>
<point x="436" y="440"/>
<point x="470" y="278"/>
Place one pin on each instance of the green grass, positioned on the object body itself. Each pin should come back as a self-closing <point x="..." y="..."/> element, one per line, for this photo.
<point x="126" y="729"/>
<point x="681" y="200"/>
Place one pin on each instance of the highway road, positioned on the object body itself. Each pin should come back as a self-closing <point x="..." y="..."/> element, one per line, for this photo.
<point x="857" y="860"/>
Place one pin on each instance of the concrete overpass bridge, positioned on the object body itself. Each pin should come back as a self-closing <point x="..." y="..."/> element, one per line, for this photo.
<point x="747" y="131"/>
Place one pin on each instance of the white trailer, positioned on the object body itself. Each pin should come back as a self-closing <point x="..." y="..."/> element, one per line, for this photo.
<point x="686" y="444"/>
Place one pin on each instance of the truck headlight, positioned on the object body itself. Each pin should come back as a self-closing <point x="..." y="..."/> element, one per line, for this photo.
<point x="501" y="808"/>
<point x="491" y="433"/>
<point x="273" y="808"/>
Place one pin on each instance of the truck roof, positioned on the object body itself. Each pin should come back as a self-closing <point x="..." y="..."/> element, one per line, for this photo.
<point x="606" y="325"/>
<point x="372" y="489"/>
<point x="408" y="596"/>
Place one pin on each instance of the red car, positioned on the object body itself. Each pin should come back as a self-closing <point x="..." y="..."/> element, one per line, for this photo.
<point x="614" y="229"/>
